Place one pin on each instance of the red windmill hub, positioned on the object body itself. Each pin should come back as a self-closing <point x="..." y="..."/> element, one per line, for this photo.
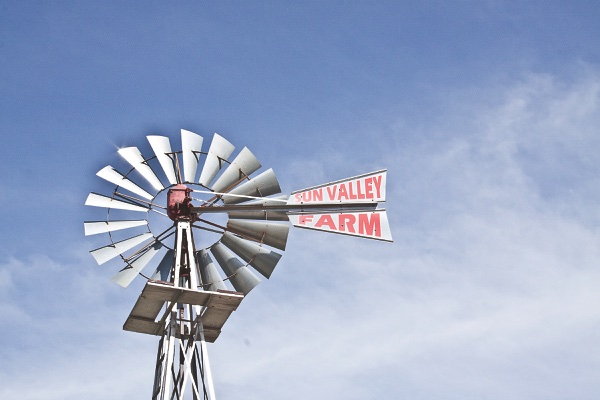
<point x="179" y="203"/>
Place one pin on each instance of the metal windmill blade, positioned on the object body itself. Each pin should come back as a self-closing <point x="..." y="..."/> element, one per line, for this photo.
<point x="103" y="254"/>
<point x="139" y="201"/>
<point x="262" y="185"/>
<point x="128" y="274"/>
<point x="242" y="279"/>
<point x="97" y="227"/>
<point x="162" y="148"/>
<point x="269" y="233"/>
<point x="163" y="271"/>
<point x="209" y="273"/>
<point x="262" y="259"/>
<point x="191" y="146"/>
<point x="98" y="200"/>
<point x="134" y="157"/>
<point x="244" y="164"/>
<point x="219" y="151"/>
<point x="111" y="175"/>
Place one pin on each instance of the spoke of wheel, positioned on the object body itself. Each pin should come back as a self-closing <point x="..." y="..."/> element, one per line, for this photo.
<point x="159" y="212"/>
<point x="212" y="224"/>
<point x="158" y="238"/>
<point x="138" y="201"/>
<point x="207" y="229"/>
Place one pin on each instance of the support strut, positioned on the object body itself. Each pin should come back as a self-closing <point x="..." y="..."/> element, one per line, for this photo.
<point x="182" y="365"/>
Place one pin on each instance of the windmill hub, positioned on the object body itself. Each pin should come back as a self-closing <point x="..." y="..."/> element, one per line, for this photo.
<point x="179" y="203"/>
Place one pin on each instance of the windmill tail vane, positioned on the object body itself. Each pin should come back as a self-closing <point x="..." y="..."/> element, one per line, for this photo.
<point x="169" y="205"/>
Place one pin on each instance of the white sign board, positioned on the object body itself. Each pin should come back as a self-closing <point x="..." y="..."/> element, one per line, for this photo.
<point x="359" y="189"/>
<point x="368" y="224"/>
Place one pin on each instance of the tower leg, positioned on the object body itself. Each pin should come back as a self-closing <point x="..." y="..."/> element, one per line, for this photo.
<point x="182" y="365"/>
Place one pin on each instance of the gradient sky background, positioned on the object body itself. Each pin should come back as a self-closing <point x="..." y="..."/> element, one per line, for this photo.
<point x="485" y="113"/>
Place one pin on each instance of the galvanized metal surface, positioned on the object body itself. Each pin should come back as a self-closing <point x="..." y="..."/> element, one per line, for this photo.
<point x="134" y="157"/>
<point x="262" y="185"/>
<point x="97" y="227"/>
<point x="262" y="259"/>
<point x="300" y="207"/>
<point x="220" y="149"/>
<point x="244" y="164"/>
<point x="143" y="318"/>
<point x="127" y="275"/>
<point x="271" y="233"/>
<point x="98" y="200"/>
<point x="103" y="254"/>
<point x="260" y="212"/>
<point x="240" y="276"/>
<point x="191" y="146"/>
<point x="111" y="175"/>
<point x="208" y="271"/>
<point x="162" y="148"/>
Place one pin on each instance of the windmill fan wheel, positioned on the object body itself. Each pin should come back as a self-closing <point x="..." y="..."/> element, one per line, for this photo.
<point x="156" y="192"/>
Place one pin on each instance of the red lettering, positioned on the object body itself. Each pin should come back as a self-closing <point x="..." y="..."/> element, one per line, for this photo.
<point x="326" y="219"/>
<point x="369" y="188"/>
<point x="298" y="197"/>
<point x="331" y="191"/>
<point x="369" y="224"/>
<point x="347" y="222"/>
<point x="307" y="196"/>
<point x="317" y="194"/>
<point x="359" y="194"/>
<point x="351" y="194"/>
<point x="377" y="180"/>
<point x="343" y="192"/>
<point x="304" y="219"/>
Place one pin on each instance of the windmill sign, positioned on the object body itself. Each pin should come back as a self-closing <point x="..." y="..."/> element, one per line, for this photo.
<point x="361" y="191"/>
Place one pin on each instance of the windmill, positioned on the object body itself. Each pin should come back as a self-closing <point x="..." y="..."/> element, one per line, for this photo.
<point x="231" y="216"/>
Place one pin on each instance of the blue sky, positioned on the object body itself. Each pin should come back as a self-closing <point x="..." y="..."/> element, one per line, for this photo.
<point x="485" y="114"/>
